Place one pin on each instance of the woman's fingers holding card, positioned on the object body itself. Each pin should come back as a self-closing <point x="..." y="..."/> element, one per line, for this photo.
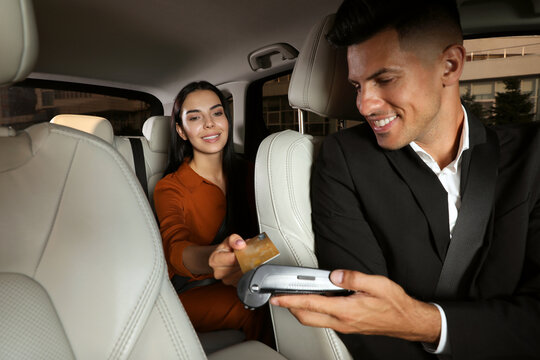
<point x="223" y="261"/>
<point x="235" y="242"/>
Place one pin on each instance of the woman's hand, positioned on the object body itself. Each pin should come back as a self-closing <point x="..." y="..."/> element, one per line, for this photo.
<point x="223" y="261"/>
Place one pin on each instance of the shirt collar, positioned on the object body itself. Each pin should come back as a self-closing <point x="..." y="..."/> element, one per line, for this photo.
<point x="188" y="176"/>
<point x="463" y="145"/>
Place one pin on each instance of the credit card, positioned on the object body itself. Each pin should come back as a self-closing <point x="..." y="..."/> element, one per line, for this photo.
<point x="259" y="250"/>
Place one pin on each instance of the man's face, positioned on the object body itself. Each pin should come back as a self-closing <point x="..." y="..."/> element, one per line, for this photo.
<point x="398" y="91"/>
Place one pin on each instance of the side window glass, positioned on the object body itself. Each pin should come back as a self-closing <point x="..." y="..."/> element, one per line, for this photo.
<point x="278" y="115"/>
<point x="501" y="78"/>
<point x="34" y="101"/>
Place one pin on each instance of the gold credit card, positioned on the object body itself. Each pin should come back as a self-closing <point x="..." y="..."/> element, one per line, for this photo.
<point x="259" y="250"/>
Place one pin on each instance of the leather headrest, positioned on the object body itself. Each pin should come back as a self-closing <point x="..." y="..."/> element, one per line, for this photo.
<point x="18" y="40"/>
<point x="156" y="131"/>
<point x="94" y="125"/>
<point x="319" y="81"/>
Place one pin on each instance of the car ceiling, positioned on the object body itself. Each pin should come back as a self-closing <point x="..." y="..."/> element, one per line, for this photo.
<point x="160" y="45"/>
<point x="163" y="44"/>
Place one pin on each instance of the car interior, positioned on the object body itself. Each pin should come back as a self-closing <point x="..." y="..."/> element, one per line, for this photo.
<point x="86" y="90"/>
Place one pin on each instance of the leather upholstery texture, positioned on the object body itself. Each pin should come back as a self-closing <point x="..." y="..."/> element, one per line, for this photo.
<point x="155" y="147"/>
<point x="156" y="130"/>
<point x="155" y="142"/>
<point x="94" y="125"/>
<point x="91" y="243"/>
<point x="80" y="239"/>
<point x="282" y="175"/>
<point x="319" y="82"/>
<point x="18" y="40"/>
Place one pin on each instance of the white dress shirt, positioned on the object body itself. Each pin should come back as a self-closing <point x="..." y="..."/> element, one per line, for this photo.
<point x="450" y="178"/>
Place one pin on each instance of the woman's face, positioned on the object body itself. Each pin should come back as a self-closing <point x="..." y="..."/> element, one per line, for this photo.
<point x="204" y="122"/>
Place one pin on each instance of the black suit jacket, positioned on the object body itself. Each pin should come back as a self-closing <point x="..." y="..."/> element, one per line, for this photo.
<point x="385" y="212"/>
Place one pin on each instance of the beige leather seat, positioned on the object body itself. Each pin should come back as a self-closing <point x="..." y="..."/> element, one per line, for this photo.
<point x="282" y="176"/>
<point x="155" y="147"/>
<point x="155" y="141"/>
<point x="95" y="125"/>
<point x="156" y="131"/>
<point x="155" y="144"/>
<point x="82" y="251"/>
<point x="82" y="271"/>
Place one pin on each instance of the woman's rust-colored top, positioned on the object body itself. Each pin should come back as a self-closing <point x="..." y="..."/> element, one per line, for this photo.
<point x="190" y="210"/>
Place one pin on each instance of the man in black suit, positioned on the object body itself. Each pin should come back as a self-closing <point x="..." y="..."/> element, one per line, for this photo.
<point x="434" y="217"/>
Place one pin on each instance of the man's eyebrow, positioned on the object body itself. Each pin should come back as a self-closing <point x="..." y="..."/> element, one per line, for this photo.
<point x="379" y="72"/>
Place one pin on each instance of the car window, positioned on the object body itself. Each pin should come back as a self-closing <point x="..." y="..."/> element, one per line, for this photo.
<point x="278" y="115"/>
<point x="501" y="77"/>
<point x="34" y="101"/>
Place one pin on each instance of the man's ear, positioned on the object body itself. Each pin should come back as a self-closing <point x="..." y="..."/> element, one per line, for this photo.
<point x="454" y="59"/>
<point x="181" y="132"/>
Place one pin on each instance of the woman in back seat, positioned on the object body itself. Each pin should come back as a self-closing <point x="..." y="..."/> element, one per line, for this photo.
<point x="205" y="207"/>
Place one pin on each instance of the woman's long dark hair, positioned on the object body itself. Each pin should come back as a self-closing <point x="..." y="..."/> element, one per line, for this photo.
<point x="180" y="149"/>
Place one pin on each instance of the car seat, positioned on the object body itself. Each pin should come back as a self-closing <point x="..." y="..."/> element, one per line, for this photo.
<point x="282" y="177"/>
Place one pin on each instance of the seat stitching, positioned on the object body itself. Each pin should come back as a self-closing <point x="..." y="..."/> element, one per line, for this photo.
<point x="274" y="210"/>
<point x="56" y="210"/>
<point x="129" y="328"/>
<point x="176" y="339"/>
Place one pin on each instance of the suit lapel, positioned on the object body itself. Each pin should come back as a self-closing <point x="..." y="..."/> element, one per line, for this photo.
<point x="478" y="179"/>
<point x="428" y="192"/>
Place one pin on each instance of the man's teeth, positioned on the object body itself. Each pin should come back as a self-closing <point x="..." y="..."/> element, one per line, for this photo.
<point x="210" y="137"/>
<point x="383" y="122"/>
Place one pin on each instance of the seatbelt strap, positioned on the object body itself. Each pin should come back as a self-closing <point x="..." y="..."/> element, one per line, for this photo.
<point x="476" y="210"/>
<point x="138" y="159"/>
<point x="182" y="283"/>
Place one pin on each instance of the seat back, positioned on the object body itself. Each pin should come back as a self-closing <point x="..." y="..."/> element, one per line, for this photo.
<point x="89" y="247"/>
<point x="18" y="40"/>
<point x="156" y="131"/>
<point x="282" y="175"/>
<point x="282" y="183"/>
<point x="155" y="142"/>
<point x="155" y="147"/>
<point x="95" y="125"/>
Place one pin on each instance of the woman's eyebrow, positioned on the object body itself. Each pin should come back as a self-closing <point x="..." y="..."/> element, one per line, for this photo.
<point x="198" y="111"/>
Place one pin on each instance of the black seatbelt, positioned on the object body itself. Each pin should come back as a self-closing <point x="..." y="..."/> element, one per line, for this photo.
<point x="476" y="209"/>
<point x="138" y="159"/>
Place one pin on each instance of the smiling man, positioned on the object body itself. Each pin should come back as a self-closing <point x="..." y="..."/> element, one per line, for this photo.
<point x="435" y="217"/>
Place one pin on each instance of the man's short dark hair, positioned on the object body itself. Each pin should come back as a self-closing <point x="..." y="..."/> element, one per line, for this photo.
<point x="358" y="20"/>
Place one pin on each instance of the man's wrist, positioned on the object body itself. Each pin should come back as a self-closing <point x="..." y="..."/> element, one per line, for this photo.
<point x="428" y="323"/>
<point x="442" y="346"/>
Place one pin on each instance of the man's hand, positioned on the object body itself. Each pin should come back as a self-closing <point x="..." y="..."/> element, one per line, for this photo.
<point x="223" y="261"/>
<point x="379" y="307"/>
